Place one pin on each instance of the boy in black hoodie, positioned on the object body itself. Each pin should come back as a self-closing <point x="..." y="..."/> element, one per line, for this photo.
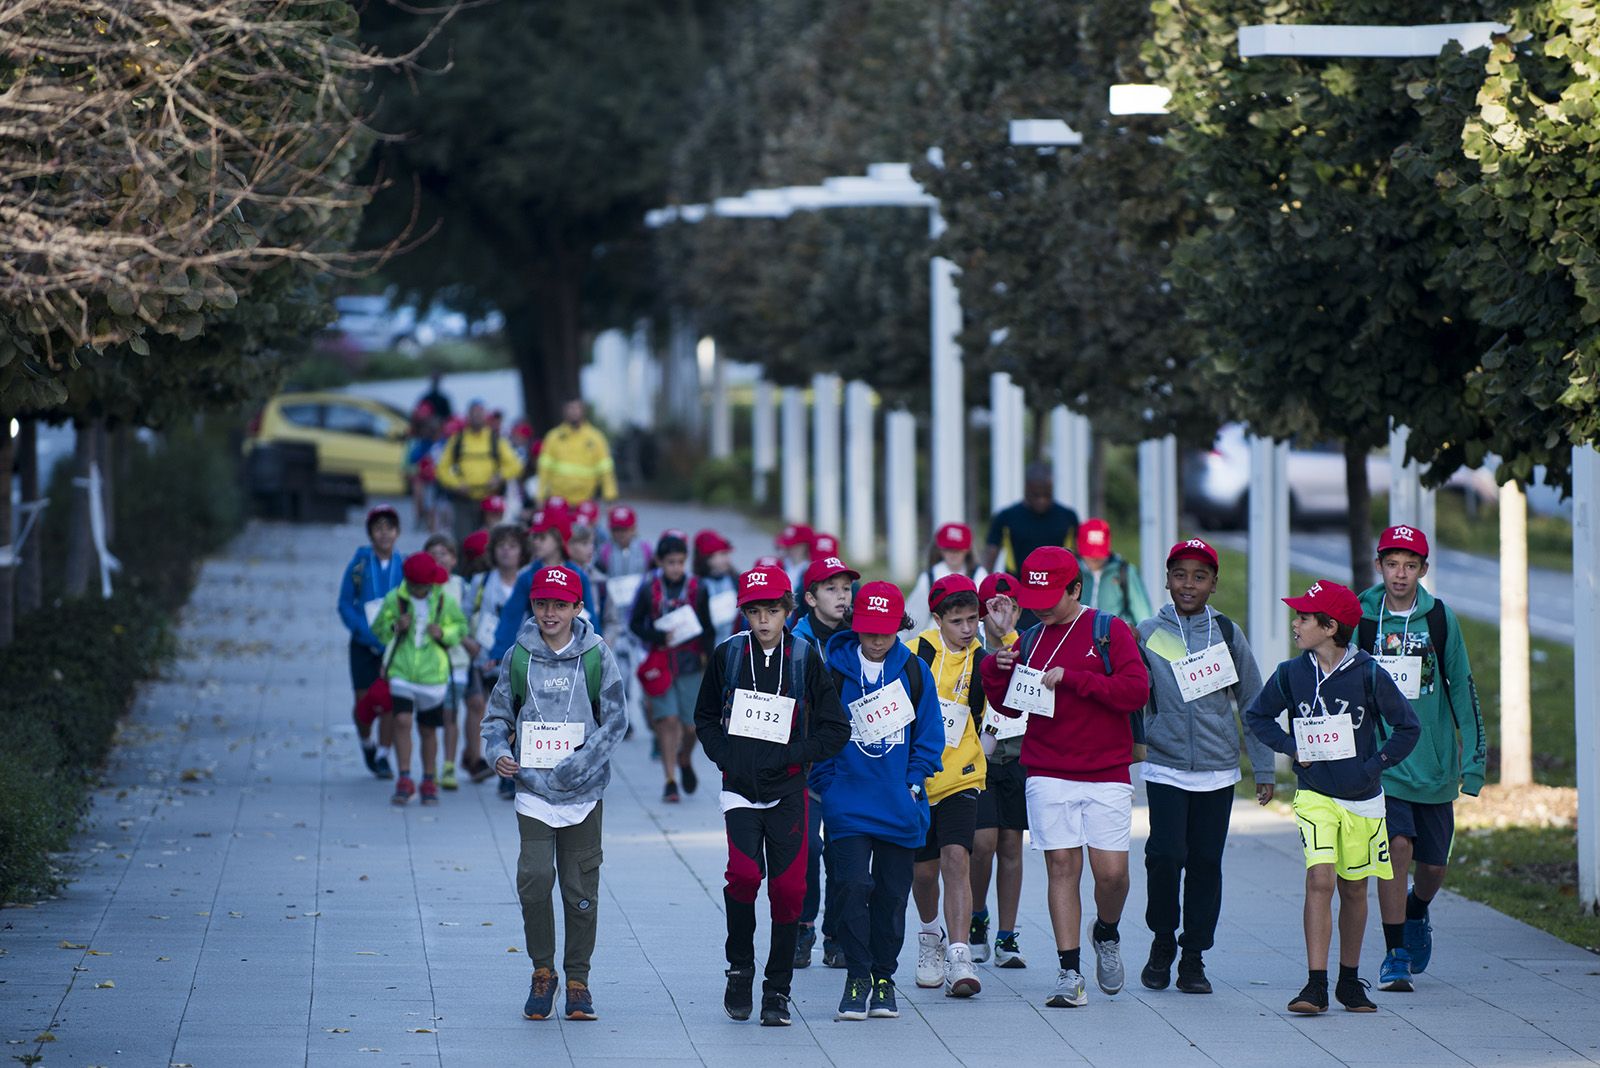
<point x="767" y="709"/>
<point x="1334" y="695"/>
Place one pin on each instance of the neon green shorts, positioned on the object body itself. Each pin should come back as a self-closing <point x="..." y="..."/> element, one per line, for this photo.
<point x="1357" y="846"/>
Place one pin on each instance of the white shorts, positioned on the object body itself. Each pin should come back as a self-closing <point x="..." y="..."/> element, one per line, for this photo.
<point x="1066" y="815"/>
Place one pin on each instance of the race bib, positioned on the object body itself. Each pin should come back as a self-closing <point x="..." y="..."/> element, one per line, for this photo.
<point x="1324" y="738"/>
<point x="680" y="625"/>
<point x="724" y="607"/>
<point x="1205" y="672"/>
<point x="622" y="589"/>
<point x="881" y="713"/>
<point x="1406" y="671"/>
<point x="1027" y="694"/>
<point x="956" y="714"/>
<point x="1003" y="727"/>
<point x="544" y="745"/>
<point x="764" y="716"/>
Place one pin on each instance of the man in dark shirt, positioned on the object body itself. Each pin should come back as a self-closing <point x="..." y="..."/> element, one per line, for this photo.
<point x="1035" y="521"/>
<point x="435" y="397"/>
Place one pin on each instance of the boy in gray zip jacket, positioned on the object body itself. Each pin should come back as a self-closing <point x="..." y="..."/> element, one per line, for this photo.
<point x="556" y="714"/>
<point x="1192" y="761"/>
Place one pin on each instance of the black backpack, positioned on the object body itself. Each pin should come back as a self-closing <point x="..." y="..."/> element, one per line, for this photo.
<point x="928" y="654"/>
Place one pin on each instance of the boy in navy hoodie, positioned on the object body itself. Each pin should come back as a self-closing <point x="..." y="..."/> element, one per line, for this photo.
<point x="372" y="572"/>
<point x="1334" y="695"/>
<point x="872" y="793"/>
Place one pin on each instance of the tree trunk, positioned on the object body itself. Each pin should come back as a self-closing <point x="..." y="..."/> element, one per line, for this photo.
<point x="80" y="546"/>
<point x="30" y="570"/>
<point x="546" y="337"/>
<point x="8" y="570"/>
<point x="1359" y="494"/>
<point x="109" y="449"/>
<point x="1097" y="476"/>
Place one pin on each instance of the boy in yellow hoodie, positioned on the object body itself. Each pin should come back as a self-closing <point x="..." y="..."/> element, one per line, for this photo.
<point x="952" y="651"/>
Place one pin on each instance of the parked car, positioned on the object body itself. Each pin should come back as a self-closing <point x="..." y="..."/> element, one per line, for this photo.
<point x="374" y="323"/>
<point x="353" y="435"/>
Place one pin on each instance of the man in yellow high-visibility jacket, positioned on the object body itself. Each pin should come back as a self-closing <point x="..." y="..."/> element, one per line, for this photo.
<point x="575" y="460"/>
<point x="476" y="464"/>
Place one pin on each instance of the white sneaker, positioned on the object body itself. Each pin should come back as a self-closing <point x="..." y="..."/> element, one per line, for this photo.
<point x="930" y="959"/>
<point x="1108" y="970"/>
<point x="1069" y="992"/>
<point x="960" y="977"/>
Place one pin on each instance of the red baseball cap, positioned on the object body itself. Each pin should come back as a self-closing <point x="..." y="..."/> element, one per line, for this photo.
<point x="622" y="518"/>
<point x="588" y="512"/>
<point x="709" y="541"/>
<point x="953" y="537"/>
<point x="546" y="520"/>
<point x="948" y="586"/>
<point x="824" y="545"/>
<point x="768" y="561"/>
<point x="423" y="568"/>
<point x="795" y="534"/>
<point x="763" y="584"/>
<point x="1333" y="600"/>
<point x="997" y="584"/>
<point x="559" y="583"/>
<point x="823" y="568"/>
<point x="476" y="543"/>
<point x="1193" y="549"/>
<point x="1094" y="539"/>
<point x="1046" y="574"/>
<point x="880" y="608"/>
<point x="1403" y="537"/>
<point x="495" y="504"/>
<point x="556" y="503"/>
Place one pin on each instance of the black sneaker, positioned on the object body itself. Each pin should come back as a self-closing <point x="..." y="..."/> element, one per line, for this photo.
<point x="691" y="781"/>
<point x="670" y="794"/>
<point x="369" y="753"/>
<point x="774" y="1010"/>
<point x="1312" y="999"/>
<point x="883" y="1003"/>
<point x="1352" y="994"/>
<point x="1158" y="969"/>
<point x="1192" y="975"/>
<point x="853" y="1006"/>
<point x="805" y="940"/>
<point x="832" y="953"/>
<point x="508" y="789"/>
<point x="978" y="939"/>
<point x="736" y="999"/>
<point x="381" y="768"/>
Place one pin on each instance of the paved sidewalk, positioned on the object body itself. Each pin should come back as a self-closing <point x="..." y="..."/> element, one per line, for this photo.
<point x="247" y="896"/>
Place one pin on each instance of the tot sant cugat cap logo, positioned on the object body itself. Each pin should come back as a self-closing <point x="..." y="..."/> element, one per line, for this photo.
<point x="878" y="604"/>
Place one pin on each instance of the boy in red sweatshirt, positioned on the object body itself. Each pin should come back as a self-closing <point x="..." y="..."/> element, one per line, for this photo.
<point x="1077" y="676"/>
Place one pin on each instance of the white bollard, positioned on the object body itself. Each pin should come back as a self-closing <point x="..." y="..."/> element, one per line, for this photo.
<point x="793" y="459"/>
<point x="1267" y="570"/>
<point x="763" y="440"/>
<point x="721" y="412"/>
<point x="1018" y="445"/>
<point x="900" y="493"/>
<point x="860" y="527"/>
<point x="1586" y="667"/>
<point x="1516" y="715"/>
<point x="1001" y="460"/>
<point x="827" y="470"/>
<point x="1071" y="443"/>
<point x="1158" y="512"/>
<point x="949" y="460"/>
<point x="1409" y="502"/>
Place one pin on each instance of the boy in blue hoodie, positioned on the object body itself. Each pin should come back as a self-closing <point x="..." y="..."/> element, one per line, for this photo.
<point x="873" y="799"/>
<point x="1334" y="696"/>
<point x="372" y="572"/>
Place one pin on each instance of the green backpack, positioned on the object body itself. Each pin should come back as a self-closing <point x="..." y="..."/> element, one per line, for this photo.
<point x="593" y="671"/>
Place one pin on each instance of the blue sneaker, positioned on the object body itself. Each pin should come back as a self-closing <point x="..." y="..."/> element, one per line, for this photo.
<point x="1419" y="943"/>
<point x="541" y="996"/>
<point x="853" y="1006"/>
<point x="1395" y="975"/>
<point x="883" y="1006"/>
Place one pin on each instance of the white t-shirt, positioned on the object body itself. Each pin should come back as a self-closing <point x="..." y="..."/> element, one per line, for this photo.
<point x="1195" y="782"/>
<point x="1373" y="808"/>
<point x="871" y="670"/>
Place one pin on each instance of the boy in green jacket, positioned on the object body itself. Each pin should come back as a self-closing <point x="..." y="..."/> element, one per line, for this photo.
<point x="1418" y="639"/>
<point x="419" y="623"/>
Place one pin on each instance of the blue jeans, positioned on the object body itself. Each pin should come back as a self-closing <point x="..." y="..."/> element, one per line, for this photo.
<point x="872" y="879"/>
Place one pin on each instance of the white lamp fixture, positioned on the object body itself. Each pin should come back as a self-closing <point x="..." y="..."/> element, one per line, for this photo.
<point x="1044" y="133"/>
<point x="1372" y="41"/>
<point x="1133" y="99"/>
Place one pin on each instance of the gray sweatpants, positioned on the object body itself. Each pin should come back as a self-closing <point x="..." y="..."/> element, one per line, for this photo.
<point x="573" y="854"/>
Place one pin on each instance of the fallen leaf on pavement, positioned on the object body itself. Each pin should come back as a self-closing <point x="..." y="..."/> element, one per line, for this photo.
<point x="105" y="984"/>
<point x="73" y="945"/>
<point x="45" y="1036"/>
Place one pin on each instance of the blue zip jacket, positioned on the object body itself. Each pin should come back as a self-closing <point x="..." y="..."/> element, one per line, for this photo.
<point x="1357" y="686"/>
<point x="517" y="609"/>
<point x="866" y="789"/>
<point x="806" y="627"/>
<point x="374" y="584"/>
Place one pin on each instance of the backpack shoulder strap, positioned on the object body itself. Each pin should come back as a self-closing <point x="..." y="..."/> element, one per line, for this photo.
<point x="519" y="677"/>
<point x="494" y="447"/>
<point x="799" y="654"/>
<point x="455" y="449"/>
<point x="1102" y="638"/>
<point x="913" y="684"/>
<point x="1030" y="638"/>
<point x="1367" y="634"/>
<point x="1230" y="633"/>
<point x="358" y="572"/>
<point x="975" y="698"/>
<point x="735" y="648"/>
<point x="925" y="651"/>
<point x="1439" y="635"/>
<point x="593" y="674"/>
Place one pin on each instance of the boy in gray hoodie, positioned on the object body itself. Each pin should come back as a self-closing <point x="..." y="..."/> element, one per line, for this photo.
<point x="1201" y="669"/>
<point x="557" y="713"/>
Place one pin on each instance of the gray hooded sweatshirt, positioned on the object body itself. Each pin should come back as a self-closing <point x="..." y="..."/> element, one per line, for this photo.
<point x="1201" y="735"/>
<point x="558" y="692"/>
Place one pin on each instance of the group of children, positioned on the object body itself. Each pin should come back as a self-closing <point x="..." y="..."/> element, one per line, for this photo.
<point x="861" y="771"/>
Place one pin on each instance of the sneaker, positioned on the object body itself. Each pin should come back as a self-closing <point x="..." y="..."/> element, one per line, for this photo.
<point x="1069" y="992"/>
<point x="508" y="789"/>
<point x="1419" y="943"/>
<point x="1395" y="975"/>
<point x="1157" y="971"/>
<point x="960" y="976"/>
<point x="369" y="753"/>
<point x="1352" y="994"/>
<point x="447" y="778"/>
<point x="430" y="792"/>
<point x="736" y="999"/>
<point x="1192" y="975"/>
<point x="691" y="781"/>
<point x="774" y="1010"/>
<point x="541" y="996"/>
<point x="1007" y="954"/>
<point x="1107" y="964"/>
<point x="479" y="770"/>
<point x="403" y="789"/>
<point x="670" y="794"/>
<point x="805" y="940"/>
<point x="580" y="1003"/>
<point x="978" y="939"/>
<point x="382" y="769"/>
<point x="883" y="1006"/>
<point x="832" y="954"/>
<point x="930" y="959"/>
<point x="1312" y="999"/>
<point x="853" y="1006"/>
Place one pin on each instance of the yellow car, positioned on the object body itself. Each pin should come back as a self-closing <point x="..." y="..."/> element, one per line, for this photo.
<point x="353" y="436"/>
